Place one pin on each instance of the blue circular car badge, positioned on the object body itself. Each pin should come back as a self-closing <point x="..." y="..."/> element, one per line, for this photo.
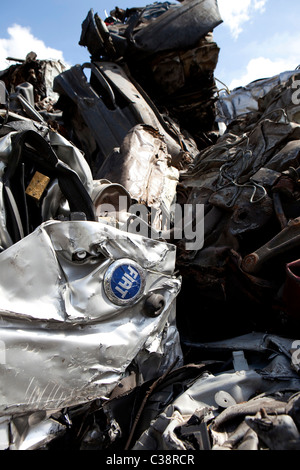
<point x="124" y="282"/>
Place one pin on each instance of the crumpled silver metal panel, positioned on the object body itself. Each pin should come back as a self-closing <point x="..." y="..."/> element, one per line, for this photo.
<point x="63" y="341"/>
<point x="142" y="165"/>
<point x="5" y="150"/>
<point x="244" y="100"/>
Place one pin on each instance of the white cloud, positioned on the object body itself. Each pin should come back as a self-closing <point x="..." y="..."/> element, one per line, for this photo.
<point x="279" y="53"/>
<point x="260" y="5"/>
<point x="262" y="67"/>
<point x="20" y="42"/>
<point x="237" y="12"/>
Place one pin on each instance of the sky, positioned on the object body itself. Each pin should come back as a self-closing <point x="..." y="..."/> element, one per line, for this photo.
<point x="257" y="39"/>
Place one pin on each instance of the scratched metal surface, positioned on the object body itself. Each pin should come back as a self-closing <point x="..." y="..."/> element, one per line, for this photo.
<point x="65" y="342"/>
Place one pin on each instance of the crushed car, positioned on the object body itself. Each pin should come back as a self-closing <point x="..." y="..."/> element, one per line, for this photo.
<point x="149" y="245"/>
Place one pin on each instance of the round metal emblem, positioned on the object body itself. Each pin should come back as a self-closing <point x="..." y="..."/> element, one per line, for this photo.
<point x="124" y="282"/>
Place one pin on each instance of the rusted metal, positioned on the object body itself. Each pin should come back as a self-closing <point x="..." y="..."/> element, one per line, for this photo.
<point x="287" y="239"/>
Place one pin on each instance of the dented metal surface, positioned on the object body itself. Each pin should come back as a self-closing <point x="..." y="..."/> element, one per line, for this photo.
<point x="168" y="31"/>
<point x="243" y="100"/>
<point x="142" y="165"/>
<point x="99" y="108"/>
<point x="66" y="340"/>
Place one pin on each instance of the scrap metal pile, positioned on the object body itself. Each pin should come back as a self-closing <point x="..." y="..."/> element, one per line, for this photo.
<point x="149" y="233"/>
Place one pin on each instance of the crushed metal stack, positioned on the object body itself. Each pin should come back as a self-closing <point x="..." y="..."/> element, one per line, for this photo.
<point x="149" y="237"/>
